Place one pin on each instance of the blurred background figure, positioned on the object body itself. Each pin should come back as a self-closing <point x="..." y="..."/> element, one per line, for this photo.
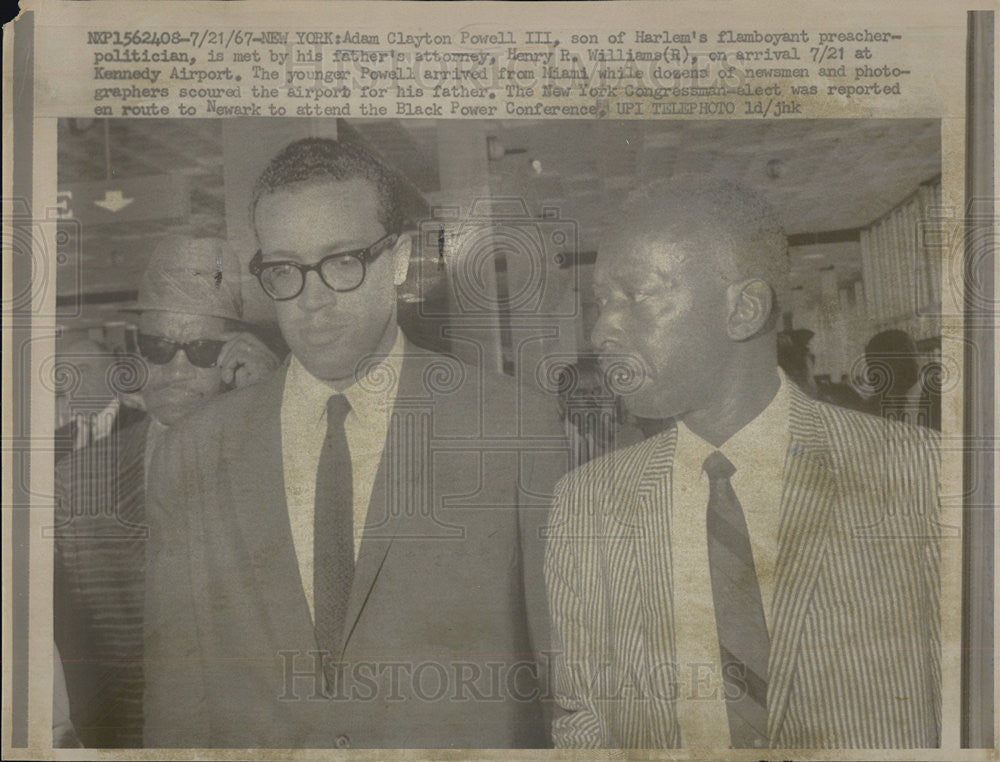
<point x="89" y="411"/>
<point x="840" y="393"/>
<point x="797" y="359"/>
<point x="194" y="346"/>
<point x="592" y="415"/>
<point x="903" y="390"/>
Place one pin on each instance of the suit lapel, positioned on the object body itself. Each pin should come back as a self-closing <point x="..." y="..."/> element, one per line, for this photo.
<point x="808" y="503"/>
<point x="400" y="482"/>
<point x="374" y="547"/>
<point x="253" y="459"/>
<point x="131" y="474"/>
<point x="646" y="520"/>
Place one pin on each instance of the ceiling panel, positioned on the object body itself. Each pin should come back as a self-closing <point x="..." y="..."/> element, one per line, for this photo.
<point x="819" y="175"/>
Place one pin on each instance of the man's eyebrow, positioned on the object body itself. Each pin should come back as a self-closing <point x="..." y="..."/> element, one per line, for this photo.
<point x="666" y="271"/>
<point x="335" y="247"/>
<point x="667" y="266"/>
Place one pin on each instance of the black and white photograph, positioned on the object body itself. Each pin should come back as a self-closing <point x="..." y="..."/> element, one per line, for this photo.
<point x="601" y="379"/>
<point x="498" y="434"/>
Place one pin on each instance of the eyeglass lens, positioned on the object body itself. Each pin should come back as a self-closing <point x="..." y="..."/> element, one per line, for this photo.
<point x="286" y="280"/>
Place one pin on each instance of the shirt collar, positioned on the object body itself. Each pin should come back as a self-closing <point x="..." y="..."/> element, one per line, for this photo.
<point x="765" y="433"/>
<point x="372" y="394"/>
<point x="375" y="393"/>
<point x="765" y="438"/>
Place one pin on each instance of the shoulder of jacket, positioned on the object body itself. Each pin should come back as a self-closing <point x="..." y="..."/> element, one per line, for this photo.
<point x="219" y="419"/>
<point x="867" y="444"/>
<point x="850" y="427"/>
<point x="626" y="465"/>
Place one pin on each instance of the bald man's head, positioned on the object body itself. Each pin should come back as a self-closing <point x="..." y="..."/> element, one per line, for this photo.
<point x="712" y="218"/>
<point x="687" y="280"/>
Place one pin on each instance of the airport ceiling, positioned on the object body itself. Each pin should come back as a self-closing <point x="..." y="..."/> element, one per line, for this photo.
<point x="821" y="176"/>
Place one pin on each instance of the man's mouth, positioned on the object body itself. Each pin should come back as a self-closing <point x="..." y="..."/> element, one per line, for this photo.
<point x="175" y="394"/>
<point x="320" y="335"/>
<point x="623" y="373"/>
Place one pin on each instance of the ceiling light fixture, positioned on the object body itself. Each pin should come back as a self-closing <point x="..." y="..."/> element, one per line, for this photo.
<point x="495" y="150"/>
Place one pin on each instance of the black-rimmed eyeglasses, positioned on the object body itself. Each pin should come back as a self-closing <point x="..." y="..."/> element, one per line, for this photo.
<point x="343" y="271"/>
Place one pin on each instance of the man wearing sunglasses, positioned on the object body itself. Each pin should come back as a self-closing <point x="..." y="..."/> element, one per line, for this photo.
<point x="191" y="332"/>
<point x="194" y="346"/>
<point x="341" y="551"/>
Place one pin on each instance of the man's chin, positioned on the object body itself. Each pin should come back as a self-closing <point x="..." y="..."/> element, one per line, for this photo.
<point x="327" y="365"/>
<point x="649" y="406"/>
<point x="169" y="416"/>
<point x="332" y="373"/>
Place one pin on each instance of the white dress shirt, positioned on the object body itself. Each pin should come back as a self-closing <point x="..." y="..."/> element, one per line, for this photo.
<point x="758" y="453"/>
<point x="303" y="429"/>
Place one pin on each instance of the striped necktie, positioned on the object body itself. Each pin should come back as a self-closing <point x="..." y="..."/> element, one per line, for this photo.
<point x="744" y="644"/>
<point x="333" y="530"/>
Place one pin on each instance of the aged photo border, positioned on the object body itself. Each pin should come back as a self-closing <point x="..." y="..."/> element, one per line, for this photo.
<point x="978" y="632"/>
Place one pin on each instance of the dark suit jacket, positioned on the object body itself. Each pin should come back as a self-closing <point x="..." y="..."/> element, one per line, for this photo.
<point x="100" y="541"/>
<point x="438" y="645"/>
<point x="65" y="436"/>
<point x="855" y="621"/>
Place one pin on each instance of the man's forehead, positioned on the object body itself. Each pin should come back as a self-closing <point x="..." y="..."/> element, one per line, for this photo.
<point x="332" y="189"/>
<point x="325" y="213"/>
<point x="644" y="251"/>
<point x="182" y="320"/>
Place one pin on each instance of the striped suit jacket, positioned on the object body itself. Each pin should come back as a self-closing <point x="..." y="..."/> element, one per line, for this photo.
<point x="100" y="539"/>
<point x="855" y="620"/>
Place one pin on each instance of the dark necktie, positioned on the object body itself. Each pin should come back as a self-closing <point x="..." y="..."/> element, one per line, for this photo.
<point x="744" y="645"/>
<point x="333" y="530"/>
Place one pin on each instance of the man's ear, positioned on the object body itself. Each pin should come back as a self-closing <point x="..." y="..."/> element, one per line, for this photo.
<point x="401" y="258"/>
<point x="750" y="303"/>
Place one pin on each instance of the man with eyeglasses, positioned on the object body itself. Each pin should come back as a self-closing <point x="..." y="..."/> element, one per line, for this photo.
<point x="343" y="548"/>
<point x="194" y="346"/>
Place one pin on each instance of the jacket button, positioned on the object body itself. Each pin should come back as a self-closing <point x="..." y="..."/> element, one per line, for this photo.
<point x="342" y="742"/>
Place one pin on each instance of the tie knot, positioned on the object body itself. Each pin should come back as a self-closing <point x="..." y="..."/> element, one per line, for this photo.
<point x="337" y="408"/>
<point x="717" y="466"/>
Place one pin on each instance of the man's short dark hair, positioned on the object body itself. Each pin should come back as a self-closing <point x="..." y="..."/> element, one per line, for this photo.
<point x="893" y="354"/>
<point x="319" y="160"/>
<point x="891" y="342"/>
<point x="709" y="210"/>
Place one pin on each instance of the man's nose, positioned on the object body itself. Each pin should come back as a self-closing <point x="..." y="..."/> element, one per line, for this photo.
<point x="179" y="366"/>
<point x="315" y="293"/>
<point x="606" y="335"/>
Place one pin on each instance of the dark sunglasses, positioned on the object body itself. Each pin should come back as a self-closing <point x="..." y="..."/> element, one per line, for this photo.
<point x="202" y="353"/>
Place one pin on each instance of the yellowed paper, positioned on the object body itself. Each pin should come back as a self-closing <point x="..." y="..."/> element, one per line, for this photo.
<point x="517" y="134"/>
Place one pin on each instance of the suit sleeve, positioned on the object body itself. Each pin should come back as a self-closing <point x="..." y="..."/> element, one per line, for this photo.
<point x="580" y="724"/>
<point x="174" y="695"/>
<point x="932" y="578"/>
<point x="71" y="630"/>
